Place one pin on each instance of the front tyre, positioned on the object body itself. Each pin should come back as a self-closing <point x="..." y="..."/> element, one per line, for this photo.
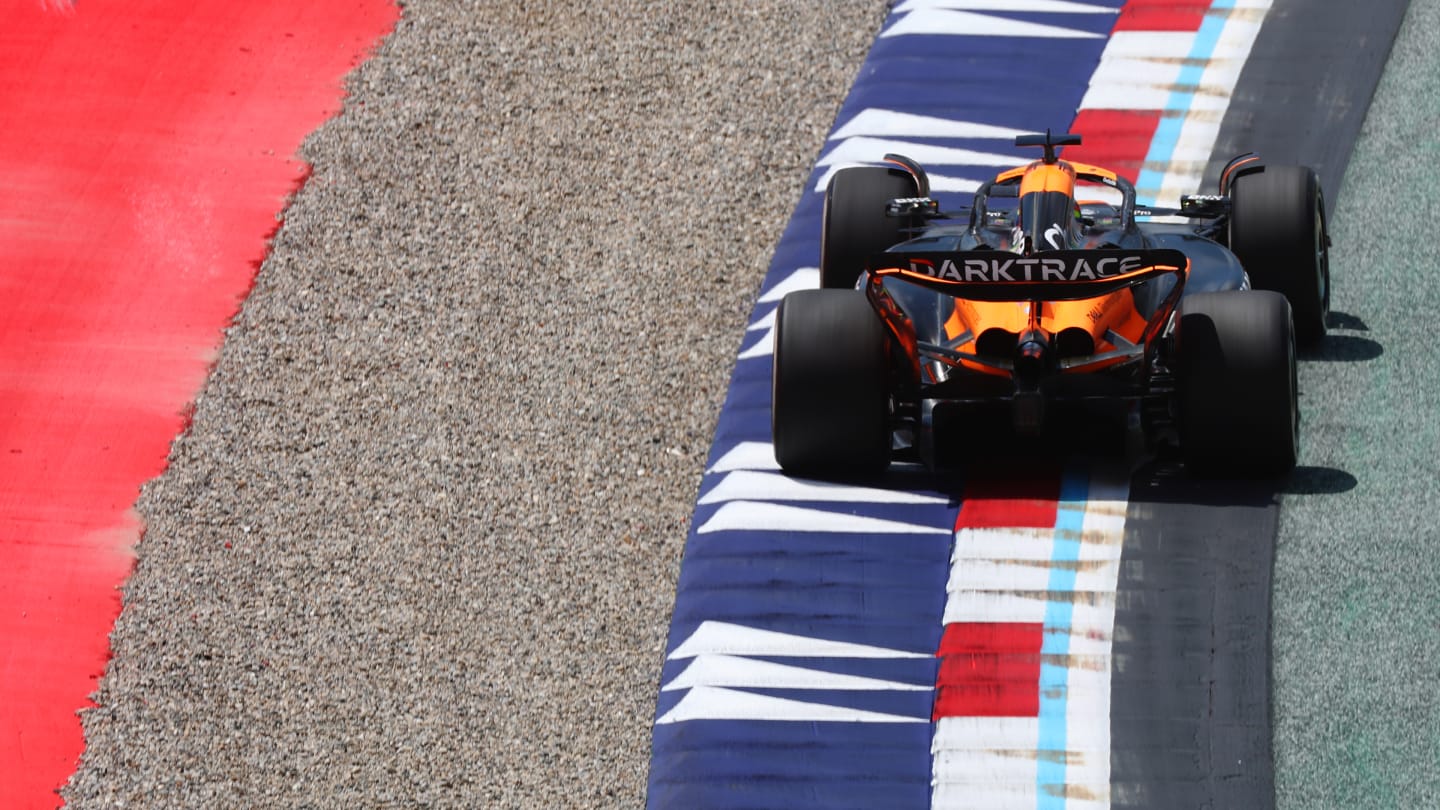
<point x="1238" y="407"/>
<point x="1277" y="230"/>
<point x="830" y="414"/>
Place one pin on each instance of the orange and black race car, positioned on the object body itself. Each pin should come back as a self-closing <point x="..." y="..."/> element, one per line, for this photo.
<point x="1053" y="294"/>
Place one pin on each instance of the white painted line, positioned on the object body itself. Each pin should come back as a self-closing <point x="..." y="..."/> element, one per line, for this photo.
<point x="863" y="149"/>
<point x="763" y="347"/>
<point x="1041" y="6"/>
<point x="938" y="182"/>
<point x="803" y="278"/>
<point x="984" y="762"/>
<point x="725" y="638"/>
<point x="891" y="124"/>
<point x="1020" y="544"/>
<point x="981" y="768"/>
<point x="729" y="670"/>
<point x="943" y="22"/>
<point x="771" y="517"/>
<point x="747" y="456"/>
<point x="747" y="485"/>
<point x="1204" y="108"/>
<point x="1088" y="639"/>
<point x="1163" y="46"/>
<point x="1131" y="83"/>
<point x="767" y="322"/>
<point x="1010" y="796"/>
<point x="985" y="734"/>
<point x="1026" y="607"/>
<point x="1028" y="575"/>
<point x="953" y="185"/>
<point x="713" y="703"/>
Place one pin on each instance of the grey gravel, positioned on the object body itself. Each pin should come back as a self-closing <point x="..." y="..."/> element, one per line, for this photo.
<point x="418" y="547"/>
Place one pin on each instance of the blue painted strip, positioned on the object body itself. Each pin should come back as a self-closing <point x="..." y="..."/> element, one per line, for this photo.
<point x="886" y="591"/>
<point x="1069" y="523"/>
<point x="721" y="764"/>
<point x="1167" y="134"/>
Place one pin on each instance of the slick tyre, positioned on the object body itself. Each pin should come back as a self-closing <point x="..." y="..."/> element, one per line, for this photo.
<point x="854" y="225"/>
<point x="830" y="415"/>
<point x="1277" y="229"/>
<point x="1238" y="407"/>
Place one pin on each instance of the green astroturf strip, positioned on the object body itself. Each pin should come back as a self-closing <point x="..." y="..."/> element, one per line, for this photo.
<point x="1357" y="576"/>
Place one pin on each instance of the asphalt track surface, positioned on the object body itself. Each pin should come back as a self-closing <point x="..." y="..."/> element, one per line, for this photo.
<point x="440" y="589"/>
<point x="1307" y="86"/>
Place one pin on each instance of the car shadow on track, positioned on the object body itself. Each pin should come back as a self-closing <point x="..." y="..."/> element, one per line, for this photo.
<point x="1318" y="481"/>
<point x="994" y="451"/>
<point x="1344" y="348"/>
<point x="1165" y="480"/>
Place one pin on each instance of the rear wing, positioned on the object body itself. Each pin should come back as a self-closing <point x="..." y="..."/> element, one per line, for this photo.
<point x="1058" y="275"/>
<point x="994" y="275"/>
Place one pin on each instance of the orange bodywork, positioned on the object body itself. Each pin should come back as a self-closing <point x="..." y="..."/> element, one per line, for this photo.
<point x="1059" y="176"/>
<point x="1096" y="316"/>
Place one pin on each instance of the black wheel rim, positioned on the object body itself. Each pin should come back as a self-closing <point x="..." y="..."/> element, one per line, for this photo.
<point x="1322" y="257"/>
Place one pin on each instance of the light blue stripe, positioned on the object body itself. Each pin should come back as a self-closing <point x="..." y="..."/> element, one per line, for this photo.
<point x="1167" y="134"/>
<point x="1069" y="522"/>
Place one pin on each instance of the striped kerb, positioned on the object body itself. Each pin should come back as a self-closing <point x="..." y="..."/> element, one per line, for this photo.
<point x="1023" y="692"/>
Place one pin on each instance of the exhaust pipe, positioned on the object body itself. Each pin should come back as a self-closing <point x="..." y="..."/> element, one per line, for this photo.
<point x="1032" y="359"/>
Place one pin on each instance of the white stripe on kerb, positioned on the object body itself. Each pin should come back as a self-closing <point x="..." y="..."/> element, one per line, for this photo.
<point x="747" y="456"/>
<point x="1026" y="607"/>
<point x="1021" y="544"/>
<point x="764" y="346"/>
<point x="1003" y="575"/>
<point x="749" y="485"/>
<point x="1027" y="575"/>
<point x="714" y="703"/>
<point x="1204" y="109"/>
<point x="888" y="123"/>
<point x="863" y="149"/>
<point x="943" y="22"/>
<point x="802" y="278"/>
<point x="967" y="751"/>
<point x="766" y="322"/>
<point x="738" y="671"/>
<point x="771" y="517"/>
<point x="1138" y="70"/>
<point x="725" y="638"/>
<point x="1041" y="6"/>
<point x="953" y="185"/>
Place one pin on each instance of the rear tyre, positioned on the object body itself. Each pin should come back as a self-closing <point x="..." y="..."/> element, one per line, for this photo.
<point x="1277" y="229"/>
<point x="1239" y="414"/>
<point x="830" y="414"/>
<point x="854" y="225"/>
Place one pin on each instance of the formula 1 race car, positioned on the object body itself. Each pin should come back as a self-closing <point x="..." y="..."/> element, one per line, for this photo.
<point x="925" y="325"/>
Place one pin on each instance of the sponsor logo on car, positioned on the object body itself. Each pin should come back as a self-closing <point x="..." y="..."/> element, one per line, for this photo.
<point x="1003" y="268"/>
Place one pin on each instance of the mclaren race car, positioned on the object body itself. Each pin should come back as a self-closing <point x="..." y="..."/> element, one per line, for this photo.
<point x="1051" y="294"/>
